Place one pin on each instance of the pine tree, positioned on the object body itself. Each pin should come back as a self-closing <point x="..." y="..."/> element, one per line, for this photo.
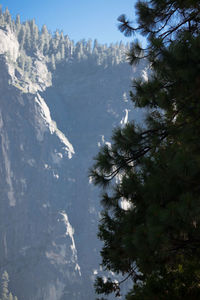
<point x="27" y="41"/>
<point x="5" y="293"/>
<point x="53" y="62"/>
<point x="62" y="51"/>
<point x="21" y="36"/>
<point x="7" y="17"/>
<point x="55" y="41"/>
<point x="10" y="297"/>
<point x="4" y="286"/>
<point x="150" y="221"/>
<point x="34" y="35"/>
<point x="17" y="21"/>
<point x="89" y="46"/>
<point x="44" y="40"/>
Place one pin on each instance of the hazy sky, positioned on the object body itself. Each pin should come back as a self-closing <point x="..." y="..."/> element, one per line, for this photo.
<point x="77" y="18"/>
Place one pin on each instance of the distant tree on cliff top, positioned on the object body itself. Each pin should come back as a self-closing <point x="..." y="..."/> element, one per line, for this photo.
<point x="5" y="294"/>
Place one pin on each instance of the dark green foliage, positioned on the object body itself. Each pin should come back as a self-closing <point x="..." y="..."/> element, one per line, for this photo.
<point x="150" y="222"/>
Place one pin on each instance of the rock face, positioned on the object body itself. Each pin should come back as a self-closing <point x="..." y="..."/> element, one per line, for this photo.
<point x="52" y="121"/>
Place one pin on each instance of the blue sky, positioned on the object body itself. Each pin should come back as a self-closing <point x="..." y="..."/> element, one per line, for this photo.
<point x="77" y="18"/>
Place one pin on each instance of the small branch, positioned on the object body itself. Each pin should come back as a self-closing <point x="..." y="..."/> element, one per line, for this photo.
<point x="128" y="276"/>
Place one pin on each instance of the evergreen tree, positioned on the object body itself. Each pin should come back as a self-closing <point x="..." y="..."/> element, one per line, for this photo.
<point x="4" y="286"/>
<point x="34" y="35"/>
<point x="21" y="36"/>
<point x="10" y="297"/>
<point x="27" y="42"/>
<point x="17" y="21"/>
<point x="56" y="40"/>
<point x="17" y="25"/>
<point x="62" y="51"/>
<point x="5" y="293"/>
<point x="89" y="46"/>
<point x="44" y="40"/>
<point x="150" y="221"/>
<point x="53" y="62"/>
<point x="7" y="17"/>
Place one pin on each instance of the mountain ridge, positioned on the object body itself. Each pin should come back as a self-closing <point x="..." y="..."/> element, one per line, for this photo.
<point x="55" y="114"/>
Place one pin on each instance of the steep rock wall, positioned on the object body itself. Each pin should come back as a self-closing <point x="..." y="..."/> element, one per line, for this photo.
<point x="50" y="130"/>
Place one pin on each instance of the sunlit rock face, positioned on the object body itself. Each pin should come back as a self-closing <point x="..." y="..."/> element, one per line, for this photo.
<point x="54" y="116"/>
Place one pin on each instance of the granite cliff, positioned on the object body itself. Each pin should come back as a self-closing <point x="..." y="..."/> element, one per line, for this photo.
<point x="58" y="103"/>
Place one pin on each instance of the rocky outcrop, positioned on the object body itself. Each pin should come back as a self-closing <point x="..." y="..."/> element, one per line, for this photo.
<point x="50" y="130"/>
